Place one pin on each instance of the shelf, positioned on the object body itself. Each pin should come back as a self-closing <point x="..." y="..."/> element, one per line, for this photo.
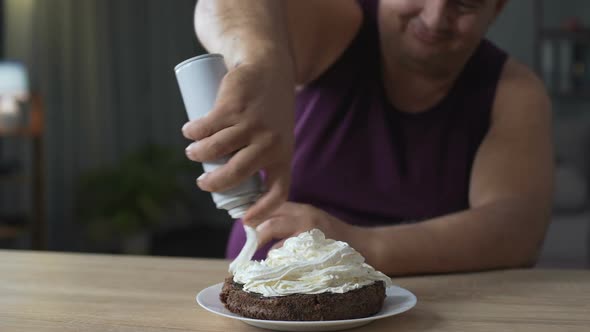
<point x="13" y="225"/>
<point x="11" y="232"/>
<point x="560" y="34"/>
<point x="30" y="224"/>
<point x="20" y="132"/>
<point x="581" y="95"/>
<point x="35" y="127"/>
<point x="19" y="178"/>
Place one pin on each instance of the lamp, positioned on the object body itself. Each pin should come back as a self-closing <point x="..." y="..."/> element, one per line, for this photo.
<point x="14" y="88"/>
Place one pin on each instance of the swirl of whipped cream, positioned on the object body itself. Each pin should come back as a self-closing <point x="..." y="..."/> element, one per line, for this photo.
<point x="308" y="264"/>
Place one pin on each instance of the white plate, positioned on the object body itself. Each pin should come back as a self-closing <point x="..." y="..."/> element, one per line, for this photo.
<point x="398" y="300"/>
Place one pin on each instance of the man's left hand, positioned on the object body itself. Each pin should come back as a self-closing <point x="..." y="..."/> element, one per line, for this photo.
<point x="292" y="219"/>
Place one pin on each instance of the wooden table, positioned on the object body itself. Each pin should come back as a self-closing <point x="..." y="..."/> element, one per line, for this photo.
<point x="81" y="292"/>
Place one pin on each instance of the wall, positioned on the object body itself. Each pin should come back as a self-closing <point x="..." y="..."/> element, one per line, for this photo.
<point x="568" y="239"/>
<point x="513" y="30"/>
<point x="105" y="69"/>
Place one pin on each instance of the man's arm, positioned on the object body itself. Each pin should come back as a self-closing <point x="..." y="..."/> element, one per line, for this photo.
<point x="244" y="31"/>
<point x="510" y="195"/>
<point x="252" y="119"/>
<point x="306" y="35"/>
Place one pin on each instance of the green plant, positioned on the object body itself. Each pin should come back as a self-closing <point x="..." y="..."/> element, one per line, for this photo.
<point x="132" y="196"/>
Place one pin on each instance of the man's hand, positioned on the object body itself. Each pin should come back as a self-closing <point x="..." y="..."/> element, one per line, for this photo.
<point x="253" y="118"/>
<point x="292" y="219"/>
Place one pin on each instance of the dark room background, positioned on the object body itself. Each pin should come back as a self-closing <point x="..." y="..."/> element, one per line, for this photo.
<point x="113" y="177"/>
<point x="104" y="70"/>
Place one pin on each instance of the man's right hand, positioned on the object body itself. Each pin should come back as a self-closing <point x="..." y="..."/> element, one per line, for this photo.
<point x="268" y="46"/>
<point x="253" y="118"/>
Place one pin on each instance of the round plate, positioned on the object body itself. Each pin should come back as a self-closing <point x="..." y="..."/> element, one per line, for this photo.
<point x="398" y="300"/>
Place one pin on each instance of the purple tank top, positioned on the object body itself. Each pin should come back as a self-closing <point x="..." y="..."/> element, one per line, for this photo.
<point x="366" y="163"/>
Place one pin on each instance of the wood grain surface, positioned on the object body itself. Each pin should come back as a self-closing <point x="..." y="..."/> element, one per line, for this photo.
<point x="43" y="291"/>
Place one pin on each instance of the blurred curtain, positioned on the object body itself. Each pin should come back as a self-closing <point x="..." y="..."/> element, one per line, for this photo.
<point x="105" y="70"/>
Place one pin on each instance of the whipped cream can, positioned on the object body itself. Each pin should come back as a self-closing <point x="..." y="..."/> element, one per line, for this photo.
<point x="199" y="79"/>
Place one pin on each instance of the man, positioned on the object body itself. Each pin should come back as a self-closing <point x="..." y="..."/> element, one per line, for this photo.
<point x="416" y="140"/>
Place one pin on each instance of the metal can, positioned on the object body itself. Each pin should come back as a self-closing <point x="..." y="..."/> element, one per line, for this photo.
<point x="199" y="79"/>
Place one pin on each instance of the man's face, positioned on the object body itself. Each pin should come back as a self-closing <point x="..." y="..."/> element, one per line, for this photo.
<point x="434" y="32"/>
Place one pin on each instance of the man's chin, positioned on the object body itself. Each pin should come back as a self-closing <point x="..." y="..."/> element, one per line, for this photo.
<point x="423" y="55"/>
<point x="433" y="62"/>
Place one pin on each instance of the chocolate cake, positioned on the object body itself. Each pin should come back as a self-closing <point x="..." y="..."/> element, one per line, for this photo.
<point x="358" y="303"/>
<point x="310" y="278"/>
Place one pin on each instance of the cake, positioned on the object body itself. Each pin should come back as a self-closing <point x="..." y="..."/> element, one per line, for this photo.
<point x="308" y="278"/>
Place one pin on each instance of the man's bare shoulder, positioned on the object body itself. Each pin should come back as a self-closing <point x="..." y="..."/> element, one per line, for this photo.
<point x="520" y="90"/>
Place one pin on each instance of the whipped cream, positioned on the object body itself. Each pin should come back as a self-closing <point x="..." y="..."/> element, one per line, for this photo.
<point x="308" y="264"/>
<point x="248" y="250"/>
